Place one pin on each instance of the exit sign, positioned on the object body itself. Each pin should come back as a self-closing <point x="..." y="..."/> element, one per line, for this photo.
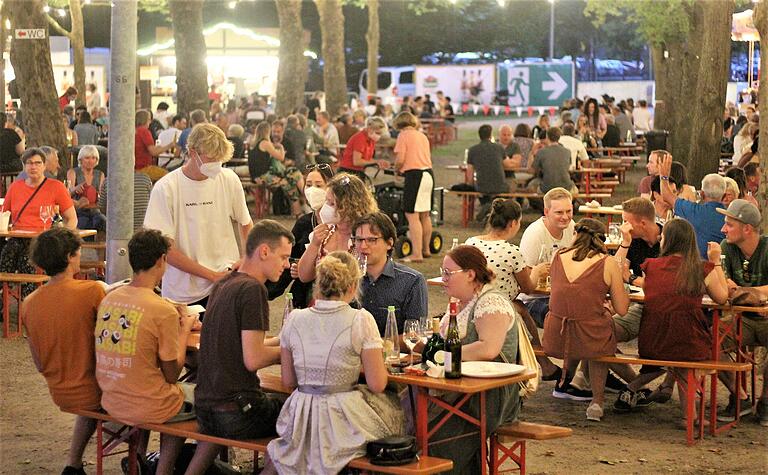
<point x="29" y="33"/>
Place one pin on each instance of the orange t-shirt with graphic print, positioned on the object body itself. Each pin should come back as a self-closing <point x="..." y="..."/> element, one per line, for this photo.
<point x="135" y="330"/>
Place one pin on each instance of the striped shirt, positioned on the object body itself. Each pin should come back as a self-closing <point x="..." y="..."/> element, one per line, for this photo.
<point x="142" y="187"/>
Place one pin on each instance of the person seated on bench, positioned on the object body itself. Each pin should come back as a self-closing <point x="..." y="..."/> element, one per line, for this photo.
<point x="577" y="328"/>
<point x="488" y="332"/>
<point x="554" y="230"/>
<point x="513" y="275"/>
<point x="140" y="349"/>
<point x="387" y="282"/>
<point x="86" y="184"/>
<point x="315" y="184"/>
<point x="266" y="161"/>
<point x="746" y="265"/>
<point x="59" y="318"/>
<point x="360" y="148"/>
<point x="347" y="200"/>
<point x="551" y="164"/>
<point x="229" y="401"/>
<point x="674" y="326"/>
<point x="485" y="169"/>
<point x="329" y="419"/>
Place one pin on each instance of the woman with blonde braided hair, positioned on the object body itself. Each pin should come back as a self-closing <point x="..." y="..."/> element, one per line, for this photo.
<point x="578" y="328"/>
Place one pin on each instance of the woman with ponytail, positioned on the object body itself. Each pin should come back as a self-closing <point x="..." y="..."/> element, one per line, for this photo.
<point x="577" y="327"/>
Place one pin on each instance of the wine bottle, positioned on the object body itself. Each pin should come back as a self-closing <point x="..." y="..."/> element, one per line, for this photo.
<point x="435" y="343"/>
<point x="452" y="345"/>
<point x="58" y="220"/>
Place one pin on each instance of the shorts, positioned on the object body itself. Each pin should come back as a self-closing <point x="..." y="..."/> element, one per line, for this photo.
<point x="631" y="321"/>
<point x="258" y="422"/>
<point x="187" y="411"/>
<point x="417" y="193"/>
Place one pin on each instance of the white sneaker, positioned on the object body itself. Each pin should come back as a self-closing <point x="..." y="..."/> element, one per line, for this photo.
<point x="594" y="412"/>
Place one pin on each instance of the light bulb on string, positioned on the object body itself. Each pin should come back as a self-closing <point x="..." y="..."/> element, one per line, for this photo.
<point x="46" y="9"/>
<point x="62" y="13"/>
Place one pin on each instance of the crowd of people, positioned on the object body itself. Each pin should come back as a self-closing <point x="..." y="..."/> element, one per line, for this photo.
<point x="122" y="349"/>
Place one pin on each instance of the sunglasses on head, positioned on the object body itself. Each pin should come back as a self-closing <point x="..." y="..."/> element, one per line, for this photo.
<point x="323" y="168"/>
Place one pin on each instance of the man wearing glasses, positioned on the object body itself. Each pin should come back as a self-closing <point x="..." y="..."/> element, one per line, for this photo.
<point x="745" y="263"/>
<point x="387" y="282"/>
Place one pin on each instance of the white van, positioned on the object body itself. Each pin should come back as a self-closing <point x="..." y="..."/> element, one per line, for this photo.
<point x="394" y="82"/>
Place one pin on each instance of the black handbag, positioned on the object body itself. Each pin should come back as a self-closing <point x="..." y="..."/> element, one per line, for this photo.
<point x="395" y="450"/>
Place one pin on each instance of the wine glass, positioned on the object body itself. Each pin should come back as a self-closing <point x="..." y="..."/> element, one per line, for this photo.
<point x="412" y="335"/>
<point x="362" y="261"/>
<point x="614" y="233"/>
<point x="46" y="214"/>
<point x="426" y="329"/>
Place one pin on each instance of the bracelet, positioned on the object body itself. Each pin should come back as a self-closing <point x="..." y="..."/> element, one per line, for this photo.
<point x="623" y="246"/>
<point x="665" y="178"/>
<point x="717" y="265"/>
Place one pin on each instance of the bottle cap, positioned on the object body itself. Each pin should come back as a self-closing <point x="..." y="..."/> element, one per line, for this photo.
<point x="391" y="308"/>
<point x="289" y="296"/>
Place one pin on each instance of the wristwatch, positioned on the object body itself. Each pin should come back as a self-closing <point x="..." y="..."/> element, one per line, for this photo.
<point x="632" y="278"/>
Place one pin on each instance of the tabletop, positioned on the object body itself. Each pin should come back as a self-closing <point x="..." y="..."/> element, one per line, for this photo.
<point x="463" y="384"/>
<point x="30" y="234"/>
<point x="600" y="210"/>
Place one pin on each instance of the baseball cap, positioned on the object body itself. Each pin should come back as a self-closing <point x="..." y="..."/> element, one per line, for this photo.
<point x="743" y="211"/>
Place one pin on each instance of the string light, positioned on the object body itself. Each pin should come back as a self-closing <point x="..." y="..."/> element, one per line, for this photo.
<point x="62" y="13"/>
<point x="232" y="5"/>
<point x="502" y="3"/>
<point x="46" y="9"/>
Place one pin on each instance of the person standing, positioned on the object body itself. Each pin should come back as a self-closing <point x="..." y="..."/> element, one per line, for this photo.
<point x="414" y="161"/>
<point x="63" y="347"/>
<point x="641" y="116"/>
<point x="194" y="206"/>
<point x="12" y="145"/>
<point x="552" y="164"/>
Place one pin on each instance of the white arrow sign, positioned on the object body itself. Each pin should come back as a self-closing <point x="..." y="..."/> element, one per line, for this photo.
<point x="557" y="86"/>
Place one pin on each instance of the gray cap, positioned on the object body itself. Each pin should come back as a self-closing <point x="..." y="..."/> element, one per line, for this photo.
<point x="744" y="211"/>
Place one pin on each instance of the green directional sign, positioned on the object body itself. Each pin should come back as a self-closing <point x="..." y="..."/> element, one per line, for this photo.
<point x="537" y="84"/>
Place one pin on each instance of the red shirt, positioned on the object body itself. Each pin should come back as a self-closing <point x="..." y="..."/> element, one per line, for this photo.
<point x="63" y="101"/>
<point x="141" y="149"/>
<point x="360" y="142"/>
<point x="52" y="193"/>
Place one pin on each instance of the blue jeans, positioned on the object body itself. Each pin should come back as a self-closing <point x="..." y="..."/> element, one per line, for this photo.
<point x="258" y="422"/>
<point x="91" y="219"/>
<point x="538" y="308"/>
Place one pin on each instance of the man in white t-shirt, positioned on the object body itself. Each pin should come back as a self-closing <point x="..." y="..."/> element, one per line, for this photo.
<point x="195" y="206"/>
<point x="170" y="135"/>
<point x="543" y="237"/>
<point x="573" y="144"/>
<point x="641" y="116"/>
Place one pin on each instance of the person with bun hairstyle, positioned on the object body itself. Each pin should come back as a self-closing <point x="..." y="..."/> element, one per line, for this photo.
<point x="512" y="274"/>
<point x="488" y="332"/>
<point x="578" y="328"/>
<point x="322" y="351"/>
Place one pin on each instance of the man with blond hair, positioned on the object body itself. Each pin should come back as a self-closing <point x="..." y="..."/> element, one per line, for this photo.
<point x="194" y="206"/>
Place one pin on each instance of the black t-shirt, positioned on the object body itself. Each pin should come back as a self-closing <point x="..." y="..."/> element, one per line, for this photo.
<point x="237" y="302"/>
<point x="612" y="136"/>
<point x="639" y="251"/>
<point x="9" y="159"/>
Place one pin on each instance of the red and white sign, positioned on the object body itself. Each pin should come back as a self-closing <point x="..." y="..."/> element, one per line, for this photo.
<point x="29" y="33"/>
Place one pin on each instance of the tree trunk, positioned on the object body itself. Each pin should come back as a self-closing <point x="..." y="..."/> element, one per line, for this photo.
<point x="77" y="38"/>
<point x="760" y="16"/>
<point x="334" y="69"/>
<point x="31" y="60"/>
<point x="191" y="70"/>
<point x="691" y="85"/>
<point x="372" y="38"/>
<point x="3" y="35"/>
<point x="290" y="82"/>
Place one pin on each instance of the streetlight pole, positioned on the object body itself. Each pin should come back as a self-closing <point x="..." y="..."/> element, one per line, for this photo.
<point x="551" y="29"/>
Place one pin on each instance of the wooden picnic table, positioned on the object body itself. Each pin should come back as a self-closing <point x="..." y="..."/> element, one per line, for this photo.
<point x="33" y="233"/>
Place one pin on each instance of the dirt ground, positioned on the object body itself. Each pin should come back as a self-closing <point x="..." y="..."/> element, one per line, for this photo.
<point x="34" y="435"/>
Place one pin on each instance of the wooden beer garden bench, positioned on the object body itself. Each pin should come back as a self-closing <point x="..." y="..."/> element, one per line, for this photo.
<point x="12" y="287"/>
<point x="109" y="438"/>
<point x="468" y="200"/>
<point x="695" y="384"/>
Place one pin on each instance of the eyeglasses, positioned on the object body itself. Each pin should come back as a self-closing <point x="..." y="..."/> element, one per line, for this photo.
<point x="368" y="240"/>
<point x="745" y="272"/>
<point x="446" y="274"/>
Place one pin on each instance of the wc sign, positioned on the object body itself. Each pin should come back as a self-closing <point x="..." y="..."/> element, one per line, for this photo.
<point x="29" y="33"/>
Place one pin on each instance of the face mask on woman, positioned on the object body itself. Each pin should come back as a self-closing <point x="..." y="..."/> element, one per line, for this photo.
<point x="315" y="197"/>
<point x="328" y="214"/>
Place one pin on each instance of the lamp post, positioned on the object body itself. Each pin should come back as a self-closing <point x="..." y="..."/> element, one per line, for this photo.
<point x="551" y="29"/>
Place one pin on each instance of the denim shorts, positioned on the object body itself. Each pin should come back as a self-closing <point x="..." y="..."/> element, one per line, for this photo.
<point x="259" y="421"/>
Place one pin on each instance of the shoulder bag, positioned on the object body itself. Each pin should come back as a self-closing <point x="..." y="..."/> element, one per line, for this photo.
<point x="27" y="202"/>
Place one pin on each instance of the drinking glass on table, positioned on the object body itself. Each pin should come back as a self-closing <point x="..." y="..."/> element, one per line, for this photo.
<point x="614" y="233"/>
<point x="412" y="335"/>
<point x="426" y="329"/>
<point x="46" y="214"/>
